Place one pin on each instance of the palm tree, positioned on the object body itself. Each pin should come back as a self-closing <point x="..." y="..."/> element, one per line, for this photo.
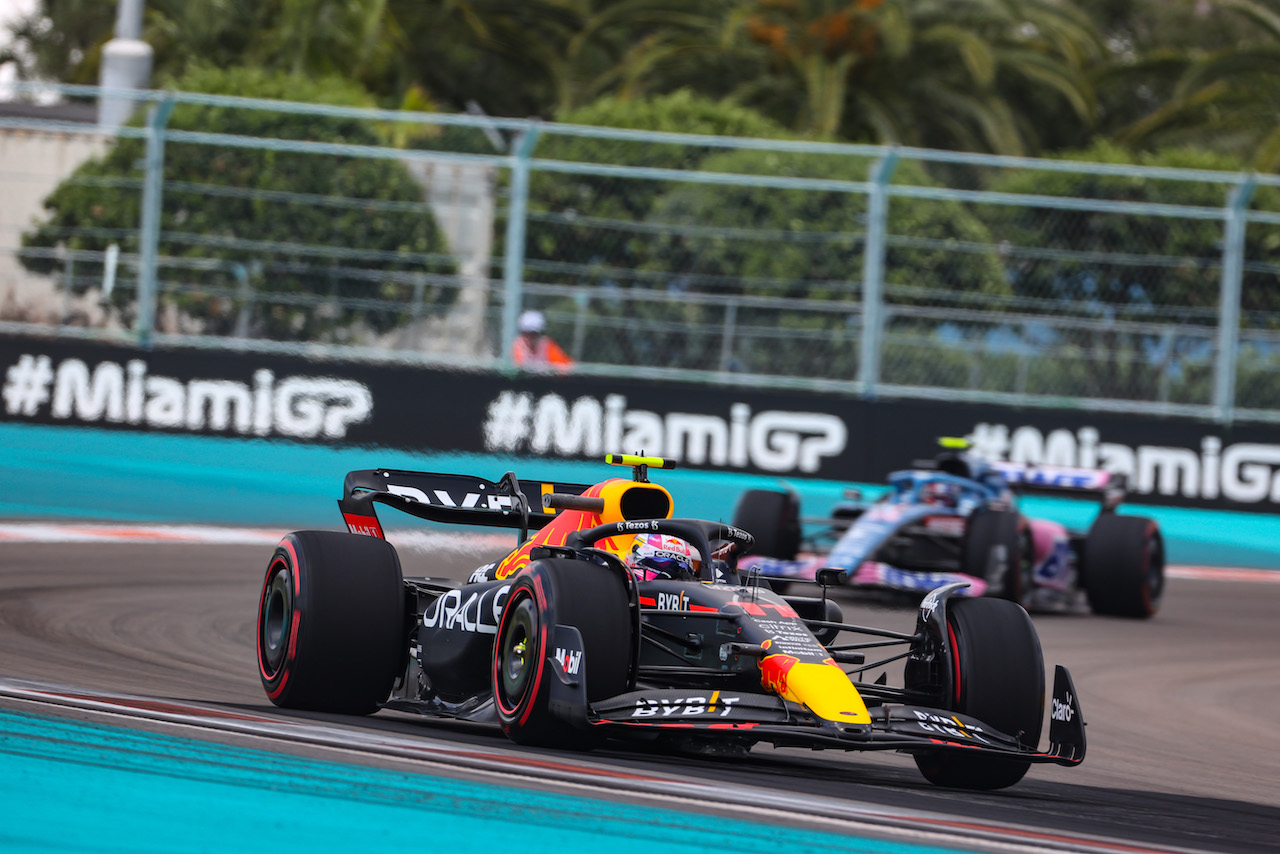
<point x="987" y="75"/>
<point x="551" y="57"/>
<point x="1226" y="99"/>
<point x="326" y="36"/>
<point x="309" y="37"/>
<point x="817" y="43"/>
<point x="971" y="74"/>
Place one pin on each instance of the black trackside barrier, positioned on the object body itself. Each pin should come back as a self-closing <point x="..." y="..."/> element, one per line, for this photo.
<point x="790" y="435"/>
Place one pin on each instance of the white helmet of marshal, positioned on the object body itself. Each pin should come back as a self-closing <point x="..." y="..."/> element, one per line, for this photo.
<point x="662" y="556"/>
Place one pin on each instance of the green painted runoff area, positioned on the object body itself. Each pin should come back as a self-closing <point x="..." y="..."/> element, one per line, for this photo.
<point x="86" y="474"/>
<point x="75" y="787"/>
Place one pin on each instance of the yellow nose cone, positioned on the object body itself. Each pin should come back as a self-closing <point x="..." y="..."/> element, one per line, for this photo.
<point x="823" y="687"/>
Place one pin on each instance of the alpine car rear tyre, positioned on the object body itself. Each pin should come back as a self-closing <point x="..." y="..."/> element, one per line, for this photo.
<point x="997" y="548"/>
<point x="591" y="598"/>
<point x="997" y="674"/>
<point x="773" y="518"/>
<point x="331" y="622"/>
<point x="1124" y="566"/>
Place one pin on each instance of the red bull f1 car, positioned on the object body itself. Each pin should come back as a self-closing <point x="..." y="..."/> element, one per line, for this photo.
<point x="563" y="644"/>
<point x="955" y="519"/>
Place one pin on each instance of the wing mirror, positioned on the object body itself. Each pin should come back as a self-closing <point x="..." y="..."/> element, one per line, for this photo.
<point x="830" y="576"/>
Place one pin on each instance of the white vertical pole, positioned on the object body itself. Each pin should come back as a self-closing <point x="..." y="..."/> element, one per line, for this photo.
<point x="126" y="64"/>
<point x="149" y="237"/>
<point x="1224" y="382"/>
<point x="873" y="272"/>
<point x="513" y="257"/>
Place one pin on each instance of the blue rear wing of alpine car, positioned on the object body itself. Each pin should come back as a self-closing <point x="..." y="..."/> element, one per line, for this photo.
<point x="1064" y="480"/>
<point x="448" y="498"/>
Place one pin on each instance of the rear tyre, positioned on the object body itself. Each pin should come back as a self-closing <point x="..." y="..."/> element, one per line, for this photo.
<point x="1124" y="566"/>
<point x="997" y="677"/>
<point x="998" y="548"/>
<point x="332" y="633"/>
<point x="593" y="599"/>
<point x="773" y="518"/>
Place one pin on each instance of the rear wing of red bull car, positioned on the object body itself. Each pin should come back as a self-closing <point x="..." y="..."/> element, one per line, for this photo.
<point x="449" y="498"/>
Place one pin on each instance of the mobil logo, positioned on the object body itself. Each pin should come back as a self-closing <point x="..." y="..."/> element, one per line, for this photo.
<point x="570" y="659"/>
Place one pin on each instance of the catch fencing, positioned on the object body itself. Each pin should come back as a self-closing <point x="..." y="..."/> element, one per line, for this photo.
<point x="874" y="271"/>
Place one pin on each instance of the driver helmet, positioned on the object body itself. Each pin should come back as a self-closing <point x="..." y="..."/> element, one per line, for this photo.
<point x="654" y="556"/>
<point x="941" y="493"/>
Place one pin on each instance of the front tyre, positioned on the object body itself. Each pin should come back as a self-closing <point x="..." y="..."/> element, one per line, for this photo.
<point x="331" y="622"/>
<point x="1124" y="566"/>
<point x="997" y="675"/>
<point x="595" y="600"/>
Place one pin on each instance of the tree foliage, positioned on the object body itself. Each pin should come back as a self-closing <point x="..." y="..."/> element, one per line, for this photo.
<point x="556" y="199"/>
<point x="299" y="223"/>
<point x="1151" y="284"/>
<point x="1122" y="264"/>
<point x="1003" y="76"/>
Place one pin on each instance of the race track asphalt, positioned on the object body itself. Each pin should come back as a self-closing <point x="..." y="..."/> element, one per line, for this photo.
<point x="1183" y="710"/>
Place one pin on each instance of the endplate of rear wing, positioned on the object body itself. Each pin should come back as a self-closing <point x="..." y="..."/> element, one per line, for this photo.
<point x="449" y="498"/>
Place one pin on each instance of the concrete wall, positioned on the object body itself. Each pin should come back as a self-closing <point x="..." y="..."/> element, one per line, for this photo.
<point x="32" y="164"/>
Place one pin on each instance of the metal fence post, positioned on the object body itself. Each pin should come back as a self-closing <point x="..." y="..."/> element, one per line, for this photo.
<point x="149" y="239"/>
<point x="1224" y="382"/>
<point x="726" y="340"/>
<point x="513" y="257"/>
<point x="873" y="272"/>
<point x="244" y="292"/>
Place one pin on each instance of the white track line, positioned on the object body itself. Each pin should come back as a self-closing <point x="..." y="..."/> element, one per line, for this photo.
<point x="597" y="779"/>
<point x="46" y="532"/>
<point x="417" y="540"/>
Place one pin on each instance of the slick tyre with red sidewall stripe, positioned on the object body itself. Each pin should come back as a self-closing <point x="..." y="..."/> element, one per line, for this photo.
<point x="593" y="599"/>
<point x="997" y="676"/>
<point x="1124" y="566"/>
<point x="332" y="627"/>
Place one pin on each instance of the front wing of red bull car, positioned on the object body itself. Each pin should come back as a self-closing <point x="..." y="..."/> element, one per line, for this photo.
<point x="562" y="646"/>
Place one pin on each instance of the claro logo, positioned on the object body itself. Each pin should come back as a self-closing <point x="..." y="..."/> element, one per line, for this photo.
<point x="1244" y="472"/>
<point x="297" y="407"/>
<point x="773" y="440"/>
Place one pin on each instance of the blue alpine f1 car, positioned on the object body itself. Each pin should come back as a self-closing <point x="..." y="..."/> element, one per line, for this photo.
<point x="955" y="518"/>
